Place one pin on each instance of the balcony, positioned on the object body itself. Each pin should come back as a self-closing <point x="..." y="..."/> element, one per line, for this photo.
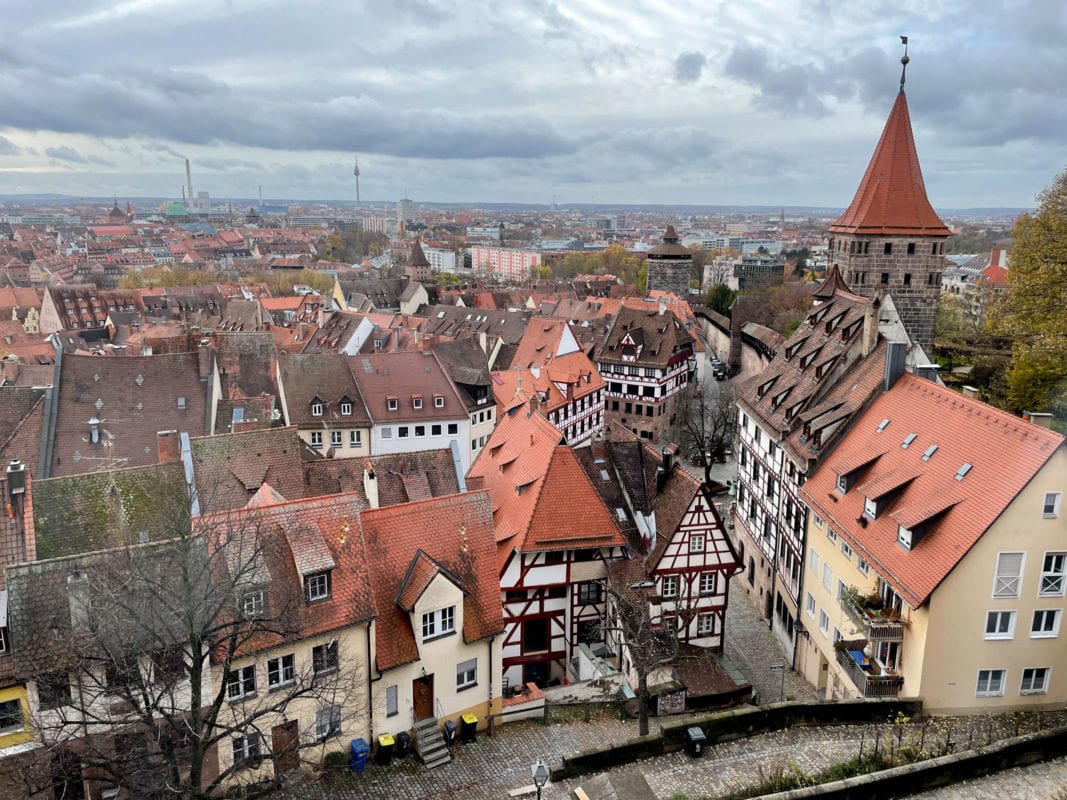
<point x="866" y="674"/>
<point x="869" y="612"/>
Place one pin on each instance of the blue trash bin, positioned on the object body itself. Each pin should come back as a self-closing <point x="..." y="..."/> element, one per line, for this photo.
<point x="360" y="751"/>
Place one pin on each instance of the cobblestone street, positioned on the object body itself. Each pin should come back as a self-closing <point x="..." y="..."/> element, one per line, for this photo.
<point x="491" y="768"/>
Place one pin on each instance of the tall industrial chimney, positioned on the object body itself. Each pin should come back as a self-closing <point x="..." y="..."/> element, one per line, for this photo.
<point x="189" y="181"/>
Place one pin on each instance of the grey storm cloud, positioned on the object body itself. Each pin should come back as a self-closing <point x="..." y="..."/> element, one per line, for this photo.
<point x="688" y="66"/>
<point x="165" y="149"/>
<point x="69" y="154"/>
<point x="194" y="109"/>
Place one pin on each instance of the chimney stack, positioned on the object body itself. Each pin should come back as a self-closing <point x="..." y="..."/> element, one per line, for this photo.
<point x="971" y="392"/>
<point x="662" y="306"/>
<point x="927" y="371"/>
<point x="1042" y="419"/>
<point x="370" y="487"/>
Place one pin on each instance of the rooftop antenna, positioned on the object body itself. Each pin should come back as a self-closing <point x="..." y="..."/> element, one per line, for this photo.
<point x="904" y="62"/>
<point x="355" y="171"/>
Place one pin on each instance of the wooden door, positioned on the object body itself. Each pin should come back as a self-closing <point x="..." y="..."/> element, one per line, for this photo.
<point x="422" y="691"/>
<point x="285" y="741"/>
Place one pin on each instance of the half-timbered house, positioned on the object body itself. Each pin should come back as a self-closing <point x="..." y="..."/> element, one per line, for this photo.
<point x="554" y="536"/>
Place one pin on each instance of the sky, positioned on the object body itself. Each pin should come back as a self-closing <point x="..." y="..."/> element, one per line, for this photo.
<point x="768" y="102"/>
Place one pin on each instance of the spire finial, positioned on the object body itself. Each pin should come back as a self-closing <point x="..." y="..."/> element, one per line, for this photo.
<point x="904" y="61"/>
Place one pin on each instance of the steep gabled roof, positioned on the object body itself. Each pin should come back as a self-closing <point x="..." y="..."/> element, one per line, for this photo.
<point x="1003" y="452"/>
<point x="891" y="198"/>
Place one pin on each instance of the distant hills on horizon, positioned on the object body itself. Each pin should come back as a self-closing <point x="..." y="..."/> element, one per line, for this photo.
<point x="682" y="208"/>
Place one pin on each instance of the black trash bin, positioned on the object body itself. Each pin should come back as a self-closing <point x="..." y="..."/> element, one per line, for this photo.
<point x="450" y="732"/>
<point x="360" y="750"/>
<point x="403" y="744"/>
<point x="695" y="741"/>
<point x="386" y="744"/>
<point x="468" y="728"/>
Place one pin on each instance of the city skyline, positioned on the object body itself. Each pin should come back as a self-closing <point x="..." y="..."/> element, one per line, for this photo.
<point x="639" y="104"/>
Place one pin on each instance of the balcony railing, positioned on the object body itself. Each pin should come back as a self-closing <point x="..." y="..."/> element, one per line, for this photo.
<point x="868" y="679"/>
<point x="867" y="611"/>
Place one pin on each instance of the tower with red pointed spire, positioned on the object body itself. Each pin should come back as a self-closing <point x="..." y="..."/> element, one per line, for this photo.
<point x="890" y="239"/>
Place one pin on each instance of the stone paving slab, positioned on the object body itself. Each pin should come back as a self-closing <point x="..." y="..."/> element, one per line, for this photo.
<point x="1044" y="781"/>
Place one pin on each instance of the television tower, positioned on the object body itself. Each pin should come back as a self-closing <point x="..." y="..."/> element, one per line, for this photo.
<point x="355" y="171"/>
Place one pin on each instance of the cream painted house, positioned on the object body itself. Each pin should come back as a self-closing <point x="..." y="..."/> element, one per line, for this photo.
<point x="935" y="560"/>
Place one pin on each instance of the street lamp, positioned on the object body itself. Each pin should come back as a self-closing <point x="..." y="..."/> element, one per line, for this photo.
<point x="540" y="775"/>
<point x="780" y="668"/>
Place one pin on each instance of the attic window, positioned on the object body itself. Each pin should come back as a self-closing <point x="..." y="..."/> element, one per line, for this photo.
<point x="392" y="403"/>
<point x="438" y="401"/>
<point x="907" y="441"/>
<point x="346" y="408"/>
<point x="181" y="402"/>
<point x="522" y="487"/>
<point x="317" y="586"/>
<point x="929" y="452"/>
<point x="963" y="470"/>
<point x="316" y="408"/>
<point x="416" y="402"/>
<point x="882" y="425"/>
<point x="905" y="537"/>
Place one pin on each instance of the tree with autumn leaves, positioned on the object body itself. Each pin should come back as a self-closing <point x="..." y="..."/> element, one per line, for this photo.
<point x="1032" y="312"/>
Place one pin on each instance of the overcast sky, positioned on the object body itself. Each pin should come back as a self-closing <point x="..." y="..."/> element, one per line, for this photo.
<point x="617" y="101"/>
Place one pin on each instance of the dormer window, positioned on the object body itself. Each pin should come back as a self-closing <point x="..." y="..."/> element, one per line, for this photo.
<point x="346" y="408"/>
<point x="436" y="624"/>
<point x="905" y="537"/>
<point x="844" y="482"/>
<point x="252" y="604"/>
<point x="392" y="403"/>
<point x="870" y="508"/>
<point x="317" y="586"/>
<point x="317" y="407"/>
<point x="438" y="401"/>
<point x="416" y="402"/>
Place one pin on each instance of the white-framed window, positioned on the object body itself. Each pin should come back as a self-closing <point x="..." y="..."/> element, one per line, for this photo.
<point x="999" y="624"/>
<point x="441" y="622"/>
<point x="420" y="431"/>
<point x="842" y="587"/>
<point x="337" y="438"/>
<point x="1035" y="680"/>
<point x="316" y="438"/>
<point x="346" y="409"/>
<point x="438" y="402"/>
<point x="813" y="561"/>
<point x="281" y="671"/>
<point x="846" y="550"/>
<point x="705" y="624"/>
<point x="403" y="431"/>
<point x="4" y="647"/>
<point x="707" y="583"/>
<point x="392" y="704"/>
<point x="11" y="716"/>
<point x="387" y="433"/>
<point x="1008" y="577"/>
<point x="453" y="428"/>
<point x="466" y="674"/>
<point x="827" y="577"/>
<point x="991" y="682"/>
<point x="824" y="622"/>
<point x="240" y="683"/>
<point x="696" y="543"/>
<point x="817" y="520"/>
<point x="1051" y="507"/>
<point x="1053" y="570"/>
<point x="316" y="409"/>
<point x="863" y="566"/>
<point x="1046" y="623"/>
<point x="327" y="722"/>
<point x="392" y="404"/>
<point x="831" y="534"/>
<point x="355" y="439"/>
<point x="318" y="586"/>
<point x="670" y="586"/>
<point x="435" y="430"/>
<point x="251" y="604"/>
<point x="416" y="402"/>
<point x="325" y="658"/>
<point x="809" y="604"/>
<point x="246" y="750"/>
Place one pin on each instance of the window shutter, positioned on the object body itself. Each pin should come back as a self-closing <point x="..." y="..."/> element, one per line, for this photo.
<point x="1009" y="567"/>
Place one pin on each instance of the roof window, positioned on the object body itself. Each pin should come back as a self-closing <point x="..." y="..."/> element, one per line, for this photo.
<point x="963" y="470"/>
<point x="907" y="441"/>
<point x="882" y="425"/>
<point x="929" y="452"/>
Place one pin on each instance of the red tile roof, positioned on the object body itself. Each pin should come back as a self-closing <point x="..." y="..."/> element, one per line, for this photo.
<point x="1004" y="452"/>
<point x="891" y="198"/>
<point x="542" y="498"/>
<point x="456" y="533"/>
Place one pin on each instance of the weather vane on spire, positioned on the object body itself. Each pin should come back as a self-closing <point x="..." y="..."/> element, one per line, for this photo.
<point x="904" y="61"/>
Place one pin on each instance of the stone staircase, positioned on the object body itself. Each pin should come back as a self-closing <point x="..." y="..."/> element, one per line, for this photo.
<point x="430" y="743"/>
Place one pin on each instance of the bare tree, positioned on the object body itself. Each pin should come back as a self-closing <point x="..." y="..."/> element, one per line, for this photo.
<point x="705" y="422"/>
<point x="139" y="656"/>
<point x="648" y="642"/>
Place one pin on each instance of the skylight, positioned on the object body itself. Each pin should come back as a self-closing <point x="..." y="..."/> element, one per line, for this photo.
<point x="908" y="440"/>
<point x="929" y="452"/>
<point x="882" y="425"/>
<point x="963" y="470"/>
